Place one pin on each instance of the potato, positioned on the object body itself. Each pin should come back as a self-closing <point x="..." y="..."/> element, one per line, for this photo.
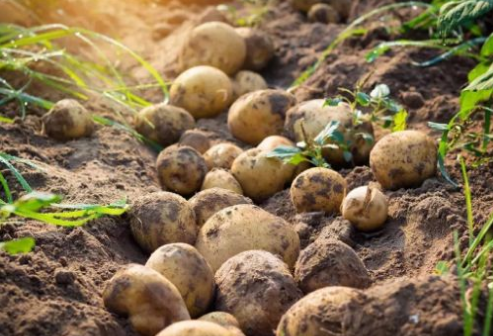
<point x="222" y="155"/>
<point x="259" y="48"/>
<point x="318" y="189"/>
<point x="257" y="288"/>
<point x="323" y="13"/>
<point x="343" y="7"/>
<point x="163" y="123"/>
<point x="161" y="218"/>
<point x="206" y="203"/>
<point x="366" y="208"/>
<point x="220" y="178"/>
<point x="203" y="91"/>
<point x="149" y="299"/>
<point x="196" y="139"/>
<point x="195" y="328"/>
<point x="272" y="142"/>
<point x="404" y="159"/>
<point x="212" y="14"/>
<point x="181" y="169"/>
<point x="256" y="115"/>
<point x="215" y="44"/>
<point x="225" y="320"/>
<point x="260" y="177"/>
<point x="242" y="228"/>
<point x="67" y="120"/>
<point x="185" y="267"/>
<point x="247" y="81"/>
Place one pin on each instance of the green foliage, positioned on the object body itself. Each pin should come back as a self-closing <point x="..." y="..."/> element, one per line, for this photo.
<point x="16" y="246"/>
<point x="457" y="13"/>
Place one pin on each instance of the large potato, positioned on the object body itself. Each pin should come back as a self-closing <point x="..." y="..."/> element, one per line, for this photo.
<point x="215" y="44"/>
<point x="67" y="120"/>
<point x="404" y="159"/>
<point x="272" y="142"/>
<point x="247" y="81"/>
<point x="225" y="320"/>
<point x="257" y="288"/>
<point x="256" y="115"/>
<point x="366" y="208"/>
<point x="220" y="178"/>
<point x="196" y="139"/>
<point x="259" y="48"/>
<point x="149" y="299"/>
<point x="195" y="328"/>
<point x="203" y="91"/>
<point x="246" y="227"/>
<point x="222" y="155"/>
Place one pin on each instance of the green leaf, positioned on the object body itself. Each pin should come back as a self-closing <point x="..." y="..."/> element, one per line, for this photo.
<point x="22" y="245"/>
<point x="470" y="99"/>
<point x="297" y="159"/>
<point x="327" y="133"/>
<point x="487" y="49"/>
<point x="284" y="152"/>
<point x="332" y="101"/>
<point x="483" y="82"/>
<point x="399" y="121"/>
<point x="363" y="99"/>
<point x="438" y="126"/>
<point x="456" y="13"/>
<point x="442" y="268"/>
<point x="477" y="71"/>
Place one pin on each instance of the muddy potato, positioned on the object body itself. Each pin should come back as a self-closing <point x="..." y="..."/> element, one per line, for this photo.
<point x="318" y="189"/>
<point x="163" y="123"/>
<point x="366" y="208"/>
<point x="323" y="13"/>
<point x="149" y="300"/>
<point x="222" y="155"/>
<point x="207" y="202"/>
<point x="259" y="48"/>
<point x="257" y="288"/>
<point x="195" y="328"/>
<point x="181" y="169"/>
<point x="246" y="227"/>
<point x="404" y="159"/>
<point x="220" y="178"/>
<point x="225" y="320"/>
<point x="247" y="81"/>
<point x="215" y="44"/>
<point x="196" y="139"/>
<point x="203" y="91"/>
<point x="256" y="115"/>
<point x="272" y="142"/>
<point x="67" y="120"/>
<point x="343" y="7"/>
<point x="161" y="218"/>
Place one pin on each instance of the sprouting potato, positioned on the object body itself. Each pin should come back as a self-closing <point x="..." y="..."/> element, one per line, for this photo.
<point x="225" y="320"/>
<point x="67" y="120"/>
<point x="221" y="155"/>
<point x="323" y="13"/>
<point x="195" y="328"/>
<point x="196" y="139"/>
<point x="272" y="142"/>
<point x="220" y="178"/>
<point x="366" y="208"/>
<point x="247" y="81"/>
<point x="259" y="48"/>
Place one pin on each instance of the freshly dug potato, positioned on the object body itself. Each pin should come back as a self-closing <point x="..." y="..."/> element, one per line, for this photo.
<point x="181" y="169"/>
<point x="185" y="267"/>
<point x="149" y="299"/>
<point x="272" y="142"/>
<point x="366" y="208"/>
<point x="163" y="123"/>
<point x="196" y="139"/>
<point x="195" y="328"/>
<point x="225" y="320"/>
<point x="260" y="176"/>
<point x="256" y="115"/>
<point x="318" y="189"/>
<point x="207" y="202"/>
<point x="242" y="228"/>
<point x="220" y="178"/>
<point x="404" y="159"/>
<point x="222" y="155"/>
<point x="257" y="288"/>
<point x="67" y="120"/>
<point x="343" y="7"/>
<point x="247" y="81"/>
<point x="259" y="48"/>
<point x="203" y="91"/>
<point x="323" y="13"/>
<point x="329" y="262"/>
<point x="161" y="218"/>
<point x="215" y="44"/>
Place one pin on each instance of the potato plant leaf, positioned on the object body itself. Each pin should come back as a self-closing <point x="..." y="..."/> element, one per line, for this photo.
<point x="22" y="245"/>
<point x="456" y="13"/>
<point x="399" y="121"/>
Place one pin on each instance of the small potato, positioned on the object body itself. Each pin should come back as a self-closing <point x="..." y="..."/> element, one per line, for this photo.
<point x="161" y="218"/>
<point x="343" y="7"/>
<point x="220" y="178"/>
<point x="256" y="115"/>
<point x="259" y="48"/>
<point x="246" y="227"/>
<point x="163" y="123"/>
<point x="222" y="155"/>
<point x="196" y="139"/>
<point x="318" y="189"/>
<point x="206" y="203"/>
<point x="404" y="159"/>
<point x="366" y="208"/>
<point x="150" y="301"/>
<point x="203" y="91"/>
<point x="247" y="81"/>
<point x="272" y="142"/>
<point x="195" y="328"/>
<point x="67" y="120"/>
<point x="257" y="288"/>
<point x="323" y="13"/>
<point x="181" y="169"/>
<point x="215" y="44"/>
<point x="225" y="320"/>
<point x="185" y="268"/>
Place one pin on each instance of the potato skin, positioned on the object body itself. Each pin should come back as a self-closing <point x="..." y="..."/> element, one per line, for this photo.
<point x="256" y="115"/>
<point x="149" y="299"/>
<point x="247" y="81"/>
<point x="366" y="208"/>
<point x="242" y="228"/>
<point x="259" y="48"/>
<point x="220" y="178"/>
<point x="225" y="320"/>
<point x="272" y="142"/>
<point x="221" y="155"/>
<point x="67" y="120"/>
<point x="343" y="7"/>
<point x="161" y="218"/>
<point x="195" y="328"/>
<point x="196" y="139"/>
<point x="404" y="159"/>
<point x="257" y="288"/>
<point x="203" y="91"/>
<point x="185" y="268"/>
<point x="323" y="13"/>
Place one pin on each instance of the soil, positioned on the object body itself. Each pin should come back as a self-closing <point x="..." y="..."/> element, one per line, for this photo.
<point x="56" y="289"/>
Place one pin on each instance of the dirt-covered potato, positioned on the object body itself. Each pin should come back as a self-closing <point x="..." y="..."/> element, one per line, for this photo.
<point x="67" y="120"/>
<point x="163" y="123"/>
<point x="196" y="139"/>
<point x="257" y="288"/>
<point x="185" y="267"/>
<point x="318" y="189"/>
<point x="222" y="155"/>
<point x="343" y="7"/>
<point x="215" y="44"/>
<point x="246" y="227"/>
<point x="247" y="81"/>
<point x="404" y="159"/>
<point x="181" y="169"/>
<point x="207" y="202"/>
<point x="220" y="178"/>
<point x="149" y="300"/>
<point x="225" y="320"/>
<point x="323" y="13"/>
<point x="366" y="208"/>
<point x="203" y="91"/>
<point x="259" y="48"/>
<point x="195" y="328"/>
<point x="260" y="176"/>
<point x="256" y="115"/>
<point x="272" y="142"/>
<point x="329" y="262"/>
<point x="161" y="218"/>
